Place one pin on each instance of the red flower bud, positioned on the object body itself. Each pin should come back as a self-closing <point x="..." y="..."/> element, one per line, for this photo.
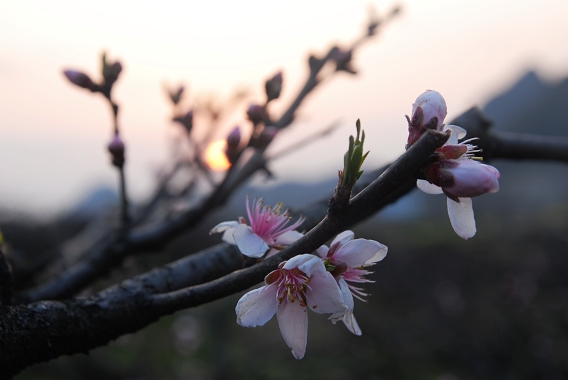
<point x="255" y="113"/>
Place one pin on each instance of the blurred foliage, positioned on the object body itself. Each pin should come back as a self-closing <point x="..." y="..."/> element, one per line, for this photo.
<point x="493" y="307"/>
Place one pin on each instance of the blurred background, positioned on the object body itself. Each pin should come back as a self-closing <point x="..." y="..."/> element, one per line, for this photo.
<point x="442" y="308"/>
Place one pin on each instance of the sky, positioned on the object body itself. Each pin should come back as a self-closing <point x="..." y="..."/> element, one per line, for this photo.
<point x="53" y="135"/>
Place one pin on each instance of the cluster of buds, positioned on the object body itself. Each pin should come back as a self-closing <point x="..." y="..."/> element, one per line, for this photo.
<point x="110" y="72"/>
<point x="454" y="169"/>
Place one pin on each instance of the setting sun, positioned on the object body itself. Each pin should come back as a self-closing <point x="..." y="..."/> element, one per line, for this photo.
<point x="215" y="156"/>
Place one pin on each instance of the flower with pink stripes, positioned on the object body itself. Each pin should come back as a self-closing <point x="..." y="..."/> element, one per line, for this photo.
<point x="268" y="229"/>
<point x="298" y="284"/>
<point x="346" y="259"/>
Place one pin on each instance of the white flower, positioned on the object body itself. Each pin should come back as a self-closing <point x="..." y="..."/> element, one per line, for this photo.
<point x="267" y="229"/>
<point x="298" y="284"/>
<point x="347" y="259"/>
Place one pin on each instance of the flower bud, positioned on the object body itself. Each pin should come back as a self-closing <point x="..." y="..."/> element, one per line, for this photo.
<point x="255" y="113"/>
<point x="111" y="72"/>
<point x="273" y="87"/>
<point x="79" y="79"/>
<point x="186" y="120"/>
<point x="234" y="138"/>
<point x="175" y="96"/>
<point x="343" y="60"/>
<point x="433" y="105"/>
<point x="428" y="112"/>
<point x="116" y="149"/>
<point x="464" y="178"/>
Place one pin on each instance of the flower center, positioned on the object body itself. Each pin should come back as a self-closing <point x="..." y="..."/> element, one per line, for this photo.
<point x="292" y="285"/>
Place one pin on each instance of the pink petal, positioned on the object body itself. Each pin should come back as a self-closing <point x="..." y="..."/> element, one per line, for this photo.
<point x="461" y="217"/>
<point x="248" y="242"/>
<point x="323" y="294"/>
<point x="293" y="323"/>
<point x="428" y="188"/>
<point x="257" y="307"/>
<point x="228" y="228"/>
<point x="347" y="315"/>
<point x="358" y="252"/>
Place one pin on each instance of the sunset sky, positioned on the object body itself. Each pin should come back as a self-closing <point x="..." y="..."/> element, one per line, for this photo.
<point x="52" y="134"/>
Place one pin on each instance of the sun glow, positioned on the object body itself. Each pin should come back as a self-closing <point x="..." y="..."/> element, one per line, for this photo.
<point x="215" y="156"/>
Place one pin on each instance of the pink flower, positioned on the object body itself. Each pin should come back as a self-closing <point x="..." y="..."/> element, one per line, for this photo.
<point x="267" y="229"/>
<point x="463" y="177"/>
<point x="298" y="284"/>
<point x="347" y="259"/>
<point x="460" y="177"/>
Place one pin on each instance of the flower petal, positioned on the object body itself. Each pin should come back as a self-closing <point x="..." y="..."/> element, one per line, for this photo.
<point x="358" y="252"/>
<point x="428" y="188"/>
<point x="457" y="133"/>
<point x="293" y="323"/>
<point x="228" y="228"/>
<point x="257" y="307"/>
<point x="322" y="251"/>
<point x="309" y="264"/>
<point x="347" y="315"/>
<point x="249" y="243"/>
<point x="381" y="254"/>
<point x="343" y="237"/>
<point x="288" y="237"/>
<point x="351" y="323"/>
<point x="461" y="217"/>
<point x="323" y="294"/>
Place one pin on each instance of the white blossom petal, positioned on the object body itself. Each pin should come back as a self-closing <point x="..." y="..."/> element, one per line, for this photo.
<point x="228" y="228"/>
<point x="457" y="133"/>
<point x="428" y="188"/>
<point x="381" y="254"/>
<point x="293" y="323"/>
<point x="358" y="252"/>
<point x="322" y="251"/>
<point x="344" y="237"/>
<point x="257" y="307"/>
<point x="347" y="315"/>
<point x="249" y="243"/>
<point x="461" y="217"/>
<point x="309" y="264"/>
<point x="351" y="323"/>
<point x="288" y="237"/>
<point x="323" y="294"/>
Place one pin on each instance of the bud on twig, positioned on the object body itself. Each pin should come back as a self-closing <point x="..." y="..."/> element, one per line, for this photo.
<point x="233" y="140"/>
<point x="110" y="71"/>
<point x="343" y="61"/>
<point x="116" y="149"/>
<point x="185" y="120"/>
<point x="80" y="79"/>
<point x="175" y="96"/>
<point x="274" y="87"/>
<point x="255" y="114"/>
<point x="266" y="136"/>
